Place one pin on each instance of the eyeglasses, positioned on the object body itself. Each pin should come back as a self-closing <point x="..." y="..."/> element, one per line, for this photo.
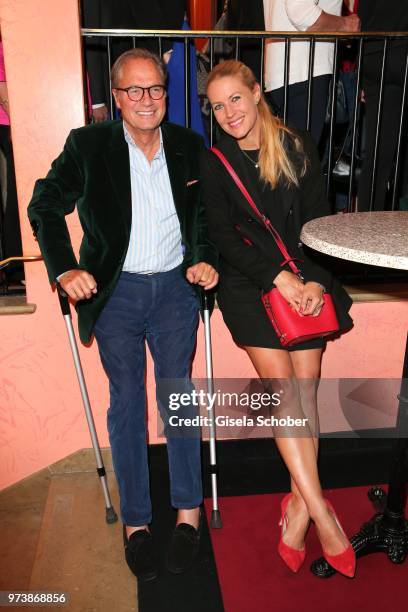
<point x="136" y="93"/>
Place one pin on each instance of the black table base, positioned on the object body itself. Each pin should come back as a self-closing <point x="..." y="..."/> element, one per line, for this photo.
<point x="387" y="530"/>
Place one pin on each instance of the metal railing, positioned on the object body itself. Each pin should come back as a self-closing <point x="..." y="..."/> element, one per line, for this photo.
<point x="4" y="263"/>
<point x="360" y="40"/>
<point x="342" y="176"/>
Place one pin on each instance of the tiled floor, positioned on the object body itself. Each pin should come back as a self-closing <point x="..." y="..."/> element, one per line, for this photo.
<point x="54" y="537"/>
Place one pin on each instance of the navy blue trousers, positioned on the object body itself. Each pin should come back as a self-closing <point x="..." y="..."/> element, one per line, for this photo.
<point x="162" y="310"/>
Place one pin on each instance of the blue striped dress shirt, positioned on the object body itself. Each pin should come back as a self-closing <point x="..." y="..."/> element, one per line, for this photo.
<point x="155" y="236"/>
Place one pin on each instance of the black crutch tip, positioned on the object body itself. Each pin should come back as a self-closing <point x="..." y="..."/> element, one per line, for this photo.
<point x="216" y="522"/>
<point x="111" y="516"/>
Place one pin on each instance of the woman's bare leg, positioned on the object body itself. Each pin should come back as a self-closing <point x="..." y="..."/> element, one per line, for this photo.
<point x="300" y="452"/>
<point x="308" y="383"/>
<point x="277" y="365"/>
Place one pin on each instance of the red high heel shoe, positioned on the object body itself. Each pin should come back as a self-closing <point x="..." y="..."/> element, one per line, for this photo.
<point x="344" y="562"/>
<point x="291" y="556"/>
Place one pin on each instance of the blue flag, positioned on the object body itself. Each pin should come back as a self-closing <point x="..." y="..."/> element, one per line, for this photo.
<point x="176" y="87"/>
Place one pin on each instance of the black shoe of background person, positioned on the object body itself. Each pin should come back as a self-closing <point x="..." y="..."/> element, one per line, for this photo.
<point x="140" y="555"/>
<point x="184" y="546"/>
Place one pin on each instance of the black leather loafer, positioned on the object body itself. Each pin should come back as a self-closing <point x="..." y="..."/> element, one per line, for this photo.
<point x="139" y="553"/>
<point x="184" y="546"/>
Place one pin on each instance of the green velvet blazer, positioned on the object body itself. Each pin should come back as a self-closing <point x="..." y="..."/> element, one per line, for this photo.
<point x="93" y="174"/>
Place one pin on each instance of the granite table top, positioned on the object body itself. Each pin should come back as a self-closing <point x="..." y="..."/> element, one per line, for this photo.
<point x="375" y="238"/>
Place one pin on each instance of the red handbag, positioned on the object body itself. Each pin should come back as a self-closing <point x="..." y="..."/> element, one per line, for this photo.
<point x="290" y="327"/>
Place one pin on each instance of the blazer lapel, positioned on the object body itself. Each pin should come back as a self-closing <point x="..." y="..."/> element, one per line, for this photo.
<point x="116" y="158"/>
<point x="175" y="159"/>
<point x="117" y="162"/>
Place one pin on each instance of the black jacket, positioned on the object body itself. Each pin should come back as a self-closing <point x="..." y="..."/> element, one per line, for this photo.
<point x="384" y="16"/>
<point x="248" y="15"/>
<point x="127" y="14"/>
<point x="247" y="269"/>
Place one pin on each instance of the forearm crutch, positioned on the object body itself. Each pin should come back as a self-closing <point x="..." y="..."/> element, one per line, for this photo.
<point x="216" y="522"/>
<point x="111" y="516"/>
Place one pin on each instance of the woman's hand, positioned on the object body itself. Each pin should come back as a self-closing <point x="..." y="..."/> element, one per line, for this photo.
<point x="291" y="288"/>
<point x="312" y="299"/>
<point x="306" y="299"/>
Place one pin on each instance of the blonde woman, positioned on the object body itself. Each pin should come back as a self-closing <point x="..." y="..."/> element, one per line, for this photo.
<point x="281" y="171"/>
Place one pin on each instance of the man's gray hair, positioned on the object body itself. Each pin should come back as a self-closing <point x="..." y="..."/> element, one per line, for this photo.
<point x="137" y="53"/>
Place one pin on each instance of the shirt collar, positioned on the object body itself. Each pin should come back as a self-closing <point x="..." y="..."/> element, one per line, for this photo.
<point x="160" y="152"/>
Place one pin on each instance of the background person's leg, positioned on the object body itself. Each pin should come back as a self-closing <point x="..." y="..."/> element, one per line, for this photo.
<point x="297" y="104"/>
<point x="11" y="220"/>
<point x="387" y="144"/>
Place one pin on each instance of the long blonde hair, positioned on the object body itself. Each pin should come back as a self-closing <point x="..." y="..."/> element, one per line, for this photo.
<point x="274" y="161"/>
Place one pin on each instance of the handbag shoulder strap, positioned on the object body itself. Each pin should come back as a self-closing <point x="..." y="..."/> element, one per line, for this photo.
<point x="281" y="245"/>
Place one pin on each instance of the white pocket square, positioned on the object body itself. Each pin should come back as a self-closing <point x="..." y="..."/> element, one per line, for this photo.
<point x="193" y="182"/>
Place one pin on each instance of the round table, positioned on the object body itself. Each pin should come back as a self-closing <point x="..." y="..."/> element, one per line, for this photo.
<point x="379" y="239"/>
<point x="375" y="238"/>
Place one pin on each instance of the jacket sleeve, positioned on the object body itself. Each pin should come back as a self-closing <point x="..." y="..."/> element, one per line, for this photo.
<point x="203" y="248"/>
<point x="54" y="197"/>
<point x="249" y="260"/>
<point x="314" y="204"/>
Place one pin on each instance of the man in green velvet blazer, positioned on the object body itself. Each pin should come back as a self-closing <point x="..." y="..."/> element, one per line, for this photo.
<point x="136" y="187"/>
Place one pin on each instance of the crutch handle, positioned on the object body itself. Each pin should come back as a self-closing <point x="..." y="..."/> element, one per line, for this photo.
<point x="63" y="300"/>
<point x="205" y="299"/>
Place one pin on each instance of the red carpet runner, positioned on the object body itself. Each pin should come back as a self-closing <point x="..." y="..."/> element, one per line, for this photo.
<point x="253" y="577"/>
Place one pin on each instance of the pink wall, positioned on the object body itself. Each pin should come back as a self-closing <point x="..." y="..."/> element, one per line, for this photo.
<point x="41" y="417"/>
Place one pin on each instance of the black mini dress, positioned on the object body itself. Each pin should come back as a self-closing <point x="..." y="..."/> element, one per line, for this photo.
<point x="255" y="329"/>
